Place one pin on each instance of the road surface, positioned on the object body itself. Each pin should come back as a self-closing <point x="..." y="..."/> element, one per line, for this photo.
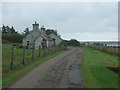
<point x="62" y="71"/>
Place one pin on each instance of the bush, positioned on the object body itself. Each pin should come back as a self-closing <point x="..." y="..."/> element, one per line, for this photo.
<point x="16" y="38"/>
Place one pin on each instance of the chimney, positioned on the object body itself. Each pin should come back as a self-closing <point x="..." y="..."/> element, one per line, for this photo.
<point x="42" y="28"/>
<point x="35" y="26"/>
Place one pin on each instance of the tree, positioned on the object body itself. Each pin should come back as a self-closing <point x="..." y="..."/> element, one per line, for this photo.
<point x="43" y="28"/>
<point x="74" y="42"/>
<point x="4" y="29"/>
<point x="26" y="31"/>
<point x="64" y="43"/>
<point x="15" y="37"/>
<point x="49" y="31"/>
<point x="12" y="30"/>
<point x="7" y="29"/>
<point x="71" y="42"/>
<point x="10" y="35"/>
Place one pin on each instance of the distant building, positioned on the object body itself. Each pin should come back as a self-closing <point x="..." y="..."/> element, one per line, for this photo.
<point x="38" y="37"/>
<point x="85" y="43"/>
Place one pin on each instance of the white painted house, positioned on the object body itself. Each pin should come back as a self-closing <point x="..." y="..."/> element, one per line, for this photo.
<point x="57" y="39"/>
<point x="38" y="38"/>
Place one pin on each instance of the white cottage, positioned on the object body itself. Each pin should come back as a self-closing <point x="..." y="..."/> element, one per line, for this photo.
<point x="43" y="41"/>
<point x="56" y="39"/>
<point x="38" y="38"/>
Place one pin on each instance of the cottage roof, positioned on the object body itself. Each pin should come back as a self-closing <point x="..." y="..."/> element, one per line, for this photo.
<point x="40" y="33"/>
<point x="55" y="35"/>
<point x="45" y="36"/>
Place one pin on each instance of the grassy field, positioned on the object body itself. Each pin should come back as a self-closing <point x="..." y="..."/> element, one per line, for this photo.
<point x="95" y="73"/>
<point x="20" y="69"/>
<point x="109" y="49"/>
<point x="18" y="57"/>
<point x="6" y="57"/>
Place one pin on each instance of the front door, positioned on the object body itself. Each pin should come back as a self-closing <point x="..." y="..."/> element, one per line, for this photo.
<point x="28" y="44"/>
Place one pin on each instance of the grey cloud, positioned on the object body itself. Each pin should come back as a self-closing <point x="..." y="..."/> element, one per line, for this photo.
<point x="67" y="17"/>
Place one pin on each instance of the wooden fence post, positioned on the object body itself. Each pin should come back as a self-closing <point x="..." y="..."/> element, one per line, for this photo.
<point x="23" y="56"/>
<point x="45" y="51"/>
<point x="53" y="49"/>
<point x="48" y="50"/>
<point x="12" y="58"/>
<point x="42" y="51"/>
<point x="57" y="48"/>
<point x="39" y="50"/>
<point x="33" y="51"/>
<point x="33" y="54"/>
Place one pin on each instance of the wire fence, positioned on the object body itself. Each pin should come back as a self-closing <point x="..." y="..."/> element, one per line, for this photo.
<point x="19" y="57"/>
<point x="109" y="49"/>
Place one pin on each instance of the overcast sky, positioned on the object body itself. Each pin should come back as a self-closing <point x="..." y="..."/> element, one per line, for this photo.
<point x="81" y="21"/>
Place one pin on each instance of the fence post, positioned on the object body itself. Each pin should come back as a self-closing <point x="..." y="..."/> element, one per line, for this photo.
<point x="56" y="48"/>
<point x="53" y="49"/>
<point x="12" y="58"/>
<point x="48" y="50"/>
<point x="33" y="54"/>
<point x="33" y="51"/>
<point x="45" y="51"/>
<point x="42" y="52"/>
<point x="39" y="50"/>
<point x="23" y="56"/>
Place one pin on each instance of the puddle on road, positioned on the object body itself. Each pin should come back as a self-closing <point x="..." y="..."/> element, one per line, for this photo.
<point x="75" y="76"/>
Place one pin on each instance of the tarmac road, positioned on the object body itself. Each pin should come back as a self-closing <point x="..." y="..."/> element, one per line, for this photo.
<point x="63" y="71"/>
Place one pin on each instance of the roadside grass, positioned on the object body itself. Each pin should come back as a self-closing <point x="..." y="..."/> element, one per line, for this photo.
<point x="19" y="68"/>
<point x="18" y="56"/>
<point x="95" y="73"/>
<point x="10" y="78"/>
<point x="6" y="57"/>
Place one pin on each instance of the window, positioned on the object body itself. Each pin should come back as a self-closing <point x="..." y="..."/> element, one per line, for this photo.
<point x="28" y="43"/>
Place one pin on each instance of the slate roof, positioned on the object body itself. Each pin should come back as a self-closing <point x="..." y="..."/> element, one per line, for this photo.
<point x="45" y="36"/>
<point x="42" y="34"/>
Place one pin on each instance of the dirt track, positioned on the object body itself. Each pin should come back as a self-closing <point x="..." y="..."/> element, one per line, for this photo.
<point x="53" y="73"/>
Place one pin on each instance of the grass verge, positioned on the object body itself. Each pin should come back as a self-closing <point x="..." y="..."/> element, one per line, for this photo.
<point x="95" y="73"/>
<point x="17" y="74"/>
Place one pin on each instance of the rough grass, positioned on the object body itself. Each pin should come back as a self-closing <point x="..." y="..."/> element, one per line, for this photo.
<point x="95" y="73"/>
<point x="20" y="69"/>
<point x="18" y="57"/>
<point x="15" y="75"/>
